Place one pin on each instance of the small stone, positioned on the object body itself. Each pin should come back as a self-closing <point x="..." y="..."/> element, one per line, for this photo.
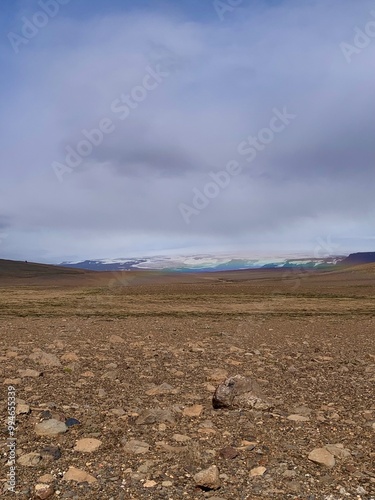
<point x="45" y="358"/>
<point x="70" y="422"/>
<point x="30" y="459"/>
<point x="46" y="478"/>
<point x="338" y="450"/>
<point x="11" y="354"/>
<point x="44" y="491"/>
<point x="79" y="476"/>
<point x="118" y="412"/>
<point x="257" y="471"/>
<point x="323" y="457"/>
<point x="170" y="449"/>
<point x="50" y="427"/>
<point x="181" y="438"/>
<point x="150" y="484"/>
<point x="361" y="491"/>
<point x="217" y="375"/>
<point x="30" y="373"/>
<point x="208" y="478"/>
<point x="69" y="356"/>
<point x="193" y="411"/>
<point x="289" y="473"/>
<point x="298" y="418"/>
<point x="116" y="339"/>
<point x="154" y="416"/>
<point x="167" y="484"/>
<point x="87" y="445"/>
<point x="228" y="453"/>
<point x="136" y="447"/>
<point x="12" y="381"/>
<point x="161" y="389"/>
<point x="50" y="453"/>
<point x="22" y="409"/>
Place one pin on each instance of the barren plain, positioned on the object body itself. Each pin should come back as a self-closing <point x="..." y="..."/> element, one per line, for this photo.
<point x="114" y="375"/>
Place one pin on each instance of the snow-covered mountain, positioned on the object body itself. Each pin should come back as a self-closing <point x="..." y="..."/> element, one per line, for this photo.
<point x="202" y="263"/>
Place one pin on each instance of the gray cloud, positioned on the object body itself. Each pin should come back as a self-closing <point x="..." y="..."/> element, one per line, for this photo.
<point x="313" y="179"/>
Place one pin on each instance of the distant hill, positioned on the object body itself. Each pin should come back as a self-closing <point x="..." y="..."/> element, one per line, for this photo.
<point x="358" y="258"/>
<point x="21" y="273"/>
<point x="14" y="269"/>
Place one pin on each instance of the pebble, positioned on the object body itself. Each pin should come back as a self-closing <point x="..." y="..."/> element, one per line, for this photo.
<point x="69" y="356"/>
<point x="161" y="390"/>
<point x="298" y="418"/>
<point x="322" y="456"/>
<point x="257" y="471"/>
<point x="228" y="452"/>
<point x="70" y="422"/>
<point x="22" y="409"/>
<point x="155" y="415"/>
<point x="50" y="453"/>
<point x="136" y="447"/>
<point x="30" y="373"/>
<point x="181" y="438"/>
<point x="46" y="478"/>
<point x="193" y="411"/>
<point x="50" y="427"/>
<point x="87" y="445"/>
<point x="79" y="476"/>
<point x="338" y="450"/>
<point x="30" y="459"/>
<point x="45" y="358"/>
<point x="44" y="491"/>
<point x="208" y="478"/>
<point x="116" y="339"/>
<point x="150" y="484"/>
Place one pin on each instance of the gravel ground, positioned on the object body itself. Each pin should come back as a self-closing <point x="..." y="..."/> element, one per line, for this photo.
<point x="113" y="375"/>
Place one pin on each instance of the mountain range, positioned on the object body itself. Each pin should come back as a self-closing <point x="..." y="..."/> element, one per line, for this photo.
<point x="209" y="262"/>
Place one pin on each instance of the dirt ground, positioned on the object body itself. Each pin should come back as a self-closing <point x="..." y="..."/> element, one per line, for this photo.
<point x="109" y="350"/>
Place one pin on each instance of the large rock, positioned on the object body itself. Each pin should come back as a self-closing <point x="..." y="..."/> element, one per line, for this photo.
<point x="239" y="392"/>
<point x="208" y="478"/>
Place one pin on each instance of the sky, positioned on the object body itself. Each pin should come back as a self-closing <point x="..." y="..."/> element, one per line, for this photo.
<point x="179" y="127"/>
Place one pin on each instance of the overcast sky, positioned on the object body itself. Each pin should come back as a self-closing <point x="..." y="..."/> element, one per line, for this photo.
<point x="278" y="94"/>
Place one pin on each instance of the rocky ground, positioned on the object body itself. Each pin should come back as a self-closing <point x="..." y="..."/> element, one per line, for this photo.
<point x="121" y="408"/>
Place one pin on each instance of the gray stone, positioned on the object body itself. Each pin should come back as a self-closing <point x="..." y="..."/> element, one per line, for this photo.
<point x="50" y="427"/>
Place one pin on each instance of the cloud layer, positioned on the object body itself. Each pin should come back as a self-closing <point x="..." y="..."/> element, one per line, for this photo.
<point x="221" y="81"/>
